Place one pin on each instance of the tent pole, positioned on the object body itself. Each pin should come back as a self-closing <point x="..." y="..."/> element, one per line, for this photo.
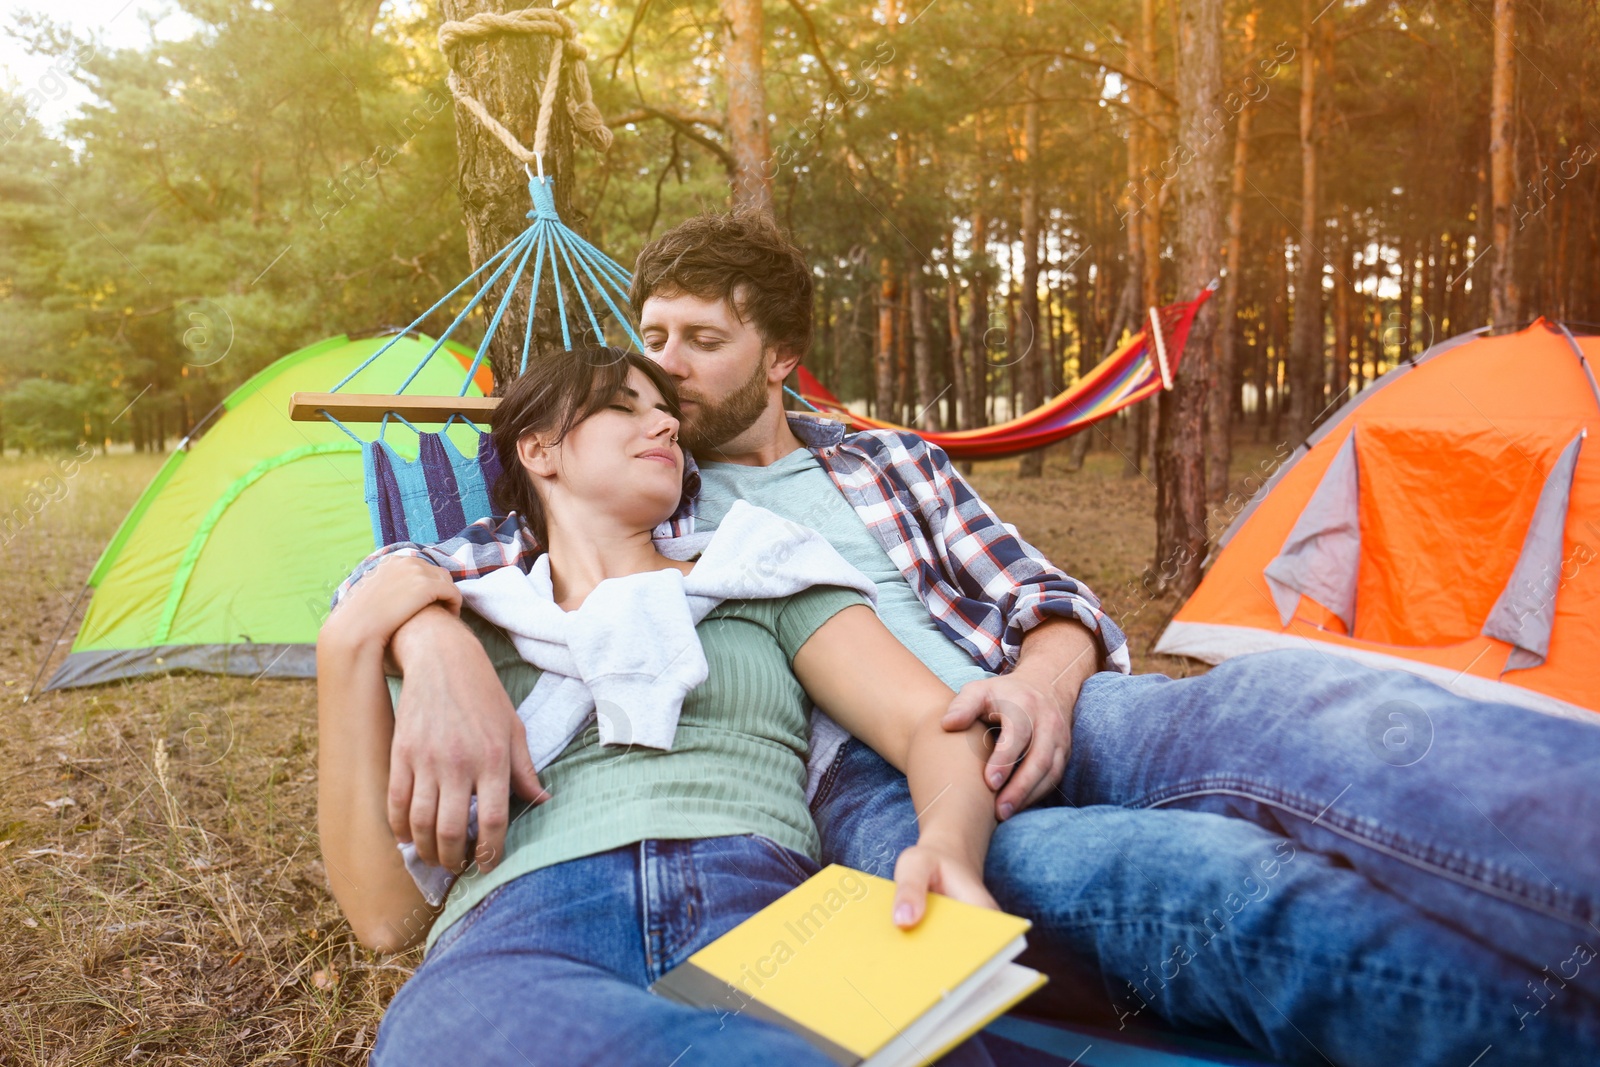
<point x="1583" y="361"/>
<point x="51" y="650"/>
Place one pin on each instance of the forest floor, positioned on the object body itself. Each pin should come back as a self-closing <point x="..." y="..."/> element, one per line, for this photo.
<point x="161" y="893"/>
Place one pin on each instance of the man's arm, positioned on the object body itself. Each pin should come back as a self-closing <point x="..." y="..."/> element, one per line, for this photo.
<point x="482" y="547"/>
<point x="456" y="733"/>
<point x="1052" y="635"/>
<point x="1032" y="705"/>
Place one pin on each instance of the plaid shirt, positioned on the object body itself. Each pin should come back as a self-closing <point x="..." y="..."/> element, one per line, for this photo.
<point x="984" y="586"/>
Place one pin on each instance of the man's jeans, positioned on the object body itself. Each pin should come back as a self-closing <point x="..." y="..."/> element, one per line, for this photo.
<point x="552" y="967"/>
<point x="1331" y="862"/>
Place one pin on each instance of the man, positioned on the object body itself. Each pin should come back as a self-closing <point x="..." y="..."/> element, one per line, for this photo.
<point x="1221" y="854"/>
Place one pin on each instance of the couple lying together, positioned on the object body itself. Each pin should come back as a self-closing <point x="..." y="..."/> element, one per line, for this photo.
<point x="604" y="752"/>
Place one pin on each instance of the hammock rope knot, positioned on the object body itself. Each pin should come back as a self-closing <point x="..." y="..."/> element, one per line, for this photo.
<point x="544" y="200"/>
<point x="565" y="49"/>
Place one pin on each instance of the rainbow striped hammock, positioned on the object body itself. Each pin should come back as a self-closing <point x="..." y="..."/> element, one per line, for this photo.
<point x="1141" y="367"/>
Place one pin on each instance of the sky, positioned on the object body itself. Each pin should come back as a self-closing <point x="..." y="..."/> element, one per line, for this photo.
<point x="112" y="24"/>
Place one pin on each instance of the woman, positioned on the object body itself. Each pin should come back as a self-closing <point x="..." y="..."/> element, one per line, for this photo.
<point x="634" y="858"/>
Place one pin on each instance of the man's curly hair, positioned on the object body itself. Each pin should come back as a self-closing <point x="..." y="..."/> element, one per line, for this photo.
<point x="742" y="257"/>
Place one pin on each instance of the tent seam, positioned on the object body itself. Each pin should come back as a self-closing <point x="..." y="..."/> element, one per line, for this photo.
<point x="202" y="534"/>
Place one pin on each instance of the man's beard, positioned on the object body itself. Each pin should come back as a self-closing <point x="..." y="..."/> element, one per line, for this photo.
<point x="715" y="425"/>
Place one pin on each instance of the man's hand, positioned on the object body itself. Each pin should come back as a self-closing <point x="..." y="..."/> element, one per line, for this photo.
<point x="397" y="588"/>
<point x="1035" y="737"/>
<point x="1032" y="705"/>
<point x="455" y="735"/>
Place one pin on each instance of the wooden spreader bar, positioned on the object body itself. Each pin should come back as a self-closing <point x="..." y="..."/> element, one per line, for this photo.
<point x="372" y="407"/>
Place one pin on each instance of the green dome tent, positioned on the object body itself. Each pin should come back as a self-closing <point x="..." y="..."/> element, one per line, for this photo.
<point x="227" y="561"/>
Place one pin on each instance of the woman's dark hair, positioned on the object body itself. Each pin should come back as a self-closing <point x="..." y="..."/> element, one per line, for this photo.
<point x="552" y="396"/>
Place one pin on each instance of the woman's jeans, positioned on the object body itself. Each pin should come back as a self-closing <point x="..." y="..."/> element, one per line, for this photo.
<point x="1333" y="863"/>
<point x="551" y="968"/>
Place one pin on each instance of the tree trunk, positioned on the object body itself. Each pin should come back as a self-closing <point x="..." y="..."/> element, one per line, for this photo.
<point x="1346" y="309"/>
<point x="1180" y="455"/>
<point x="903" y="394"/>
<point x="1153" y="145"/>
<point x="1133" y="290"/>
<point x="1274" y="360"/>
<point x="1306" y="349"/>
<point x="830" y="341"/>
<point x="1031" y="364"/>
<point x="1219" y="414"/>
<point x="1055" y="323"/>
<point x="884" y="357"/>
<point x="505" y="74"/>
<point x="1503" y="165"/>
<point x="748" y="137"/>
<point x="978" y="323"/>
<point x="1408" y="273"/>
<point x="961" y="402"/>
<point x="922" y="355"/>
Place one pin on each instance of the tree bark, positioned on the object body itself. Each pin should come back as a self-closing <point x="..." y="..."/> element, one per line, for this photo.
<point x="1032" y="361"/>
<point x="1180" y="455"/>
<point x="1153" y="144"/>
<point x="888" y="297"/>
<point x="922" y="354"/>
<point x="1306" y="349"/>
<point x="1133" y="291"/>
<point x="961" y="402"/>
<point x="1408" y="274"/>
<point x="903" y="390"/>
<point x="1346" y="309"/>
<point x="1219" y="413"/>
<point x="505" y="74"/>
<point x="1272" y="360"/>
<point x="748" y="136"/>
<point x="1503" y="166"/>
<point x="978" y="319"/>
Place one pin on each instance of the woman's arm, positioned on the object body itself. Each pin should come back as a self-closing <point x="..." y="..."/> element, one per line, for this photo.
<point x="872" y="685"/>
<point x="355" y="730"/>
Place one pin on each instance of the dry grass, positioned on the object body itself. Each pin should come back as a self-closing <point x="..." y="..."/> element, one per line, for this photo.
<point x="1099" y="526"/>
<point x="160" y="885"/>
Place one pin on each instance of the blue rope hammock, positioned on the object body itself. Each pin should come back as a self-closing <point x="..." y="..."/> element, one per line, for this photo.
<point x="557" y="252"/>
<point x="434" y="496"/>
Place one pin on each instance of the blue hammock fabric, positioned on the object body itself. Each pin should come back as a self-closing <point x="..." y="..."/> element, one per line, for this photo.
<point x="430" y="498"/>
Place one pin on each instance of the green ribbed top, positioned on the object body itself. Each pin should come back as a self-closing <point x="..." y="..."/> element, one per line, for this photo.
<point x="737" y="763"/>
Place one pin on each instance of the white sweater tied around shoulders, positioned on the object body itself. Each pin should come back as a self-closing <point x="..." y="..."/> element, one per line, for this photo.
<point x="629" y="654"/>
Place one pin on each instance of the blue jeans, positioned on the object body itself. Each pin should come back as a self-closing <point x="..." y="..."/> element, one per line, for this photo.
<point x="552" y="967"/>
<point x="1329" y="862"/>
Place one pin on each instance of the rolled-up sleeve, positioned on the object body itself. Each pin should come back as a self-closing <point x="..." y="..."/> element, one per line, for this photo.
<point x="484" y="546"/>
<point x="989" y="562"/>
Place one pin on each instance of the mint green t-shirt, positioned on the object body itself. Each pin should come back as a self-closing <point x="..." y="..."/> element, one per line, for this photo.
<point x="797" y="488"/>
<point x="737" y="763"/>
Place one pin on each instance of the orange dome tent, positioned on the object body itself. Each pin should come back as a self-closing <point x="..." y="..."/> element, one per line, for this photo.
<point x="1446" y="522"/>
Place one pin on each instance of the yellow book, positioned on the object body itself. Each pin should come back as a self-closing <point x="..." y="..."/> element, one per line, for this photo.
<point x="826" y="961"/>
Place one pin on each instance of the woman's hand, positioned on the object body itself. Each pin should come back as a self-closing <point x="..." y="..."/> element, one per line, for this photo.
<point x="928" y="867"/>
<point x="398" y="588"/>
